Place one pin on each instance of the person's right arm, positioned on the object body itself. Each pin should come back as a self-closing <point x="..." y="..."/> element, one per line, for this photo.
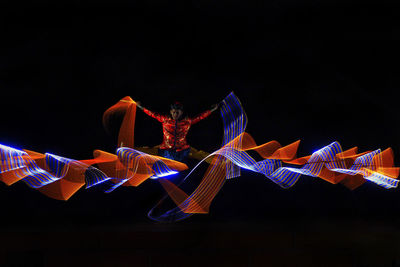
<point x="152" y="114"/>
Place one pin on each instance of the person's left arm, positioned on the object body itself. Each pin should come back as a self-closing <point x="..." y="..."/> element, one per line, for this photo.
<point x="204" y="115"/>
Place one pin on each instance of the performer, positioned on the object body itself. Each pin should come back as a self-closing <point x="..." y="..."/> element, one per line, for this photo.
<point x="175" y="129"/>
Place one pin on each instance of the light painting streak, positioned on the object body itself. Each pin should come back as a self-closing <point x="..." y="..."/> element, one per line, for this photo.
<point x="60" y="178"/>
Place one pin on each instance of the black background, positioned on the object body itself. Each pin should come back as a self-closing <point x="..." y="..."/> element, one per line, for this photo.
<point x="318" y="71"/>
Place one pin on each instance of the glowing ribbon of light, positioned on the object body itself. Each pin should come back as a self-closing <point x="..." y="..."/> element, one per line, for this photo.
<point x="60" y="177"/>
<point x="45" y="172"/>
<point x="329" y="163"/>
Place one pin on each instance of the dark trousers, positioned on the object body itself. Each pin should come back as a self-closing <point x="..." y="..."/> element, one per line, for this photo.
<point x="173" y="154"/>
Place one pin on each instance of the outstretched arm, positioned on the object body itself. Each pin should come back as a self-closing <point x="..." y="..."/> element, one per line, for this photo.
<point x="152" y="114"/>
<point x="204" y="115"/>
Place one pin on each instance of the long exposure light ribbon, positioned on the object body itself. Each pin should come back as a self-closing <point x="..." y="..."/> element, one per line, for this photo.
<point x="60" y="177"/>
<point x="328" y="163"/>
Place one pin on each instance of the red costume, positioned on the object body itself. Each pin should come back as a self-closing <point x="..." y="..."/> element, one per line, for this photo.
<point x="175" y="131"/>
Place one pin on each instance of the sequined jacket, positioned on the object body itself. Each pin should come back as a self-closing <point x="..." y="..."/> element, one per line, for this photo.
<point x="175" y="131"/>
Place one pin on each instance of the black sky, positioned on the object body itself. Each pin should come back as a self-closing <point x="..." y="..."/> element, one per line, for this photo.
<point x="318" y="71"/>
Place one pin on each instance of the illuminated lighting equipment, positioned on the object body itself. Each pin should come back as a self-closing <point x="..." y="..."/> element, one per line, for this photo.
<point x="60" y="177"/>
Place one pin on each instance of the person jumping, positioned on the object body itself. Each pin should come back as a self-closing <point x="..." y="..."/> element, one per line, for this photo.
<point x="175" y="128"/>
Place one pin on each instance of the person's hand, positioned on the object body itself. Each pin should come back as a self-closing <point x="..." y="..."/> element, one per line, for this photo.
<point x="214" y="107"/>
<point x="139" y="105"/>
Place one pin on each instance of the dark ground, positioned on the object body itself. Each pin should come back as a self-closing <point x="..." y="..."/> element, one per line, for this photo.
<point x="318" y="71"/>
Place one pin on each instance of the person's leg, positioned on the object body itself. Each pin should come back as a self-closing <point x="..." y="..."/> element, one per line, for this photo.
<point x="199" y="155"/>
<point x="165" y="153"/>
<point x="182" y="155"/>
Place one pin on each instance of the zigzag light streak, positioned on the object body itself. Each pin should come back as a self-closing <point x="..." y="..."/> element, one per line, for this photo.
<point x="60" y="177"/>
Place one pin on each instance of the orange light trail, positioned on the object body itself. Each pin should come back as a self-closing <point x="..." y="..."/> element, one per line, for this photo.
<point x="60" y="178"/>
